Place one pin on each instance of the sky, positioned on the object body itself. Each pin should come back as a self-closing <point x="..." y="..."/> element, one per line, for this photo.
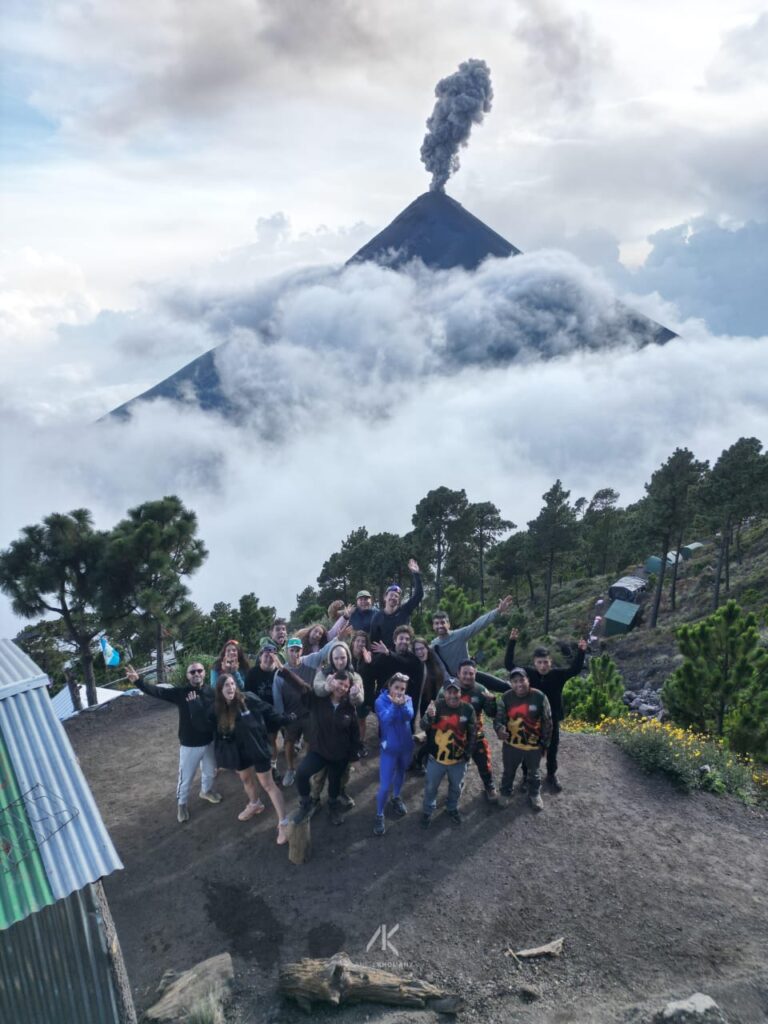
<point x="176" y="176"/>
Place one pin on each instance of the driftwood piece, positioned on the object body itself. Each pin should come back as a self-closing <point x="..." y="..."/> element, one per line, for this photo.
<point x="554" y="948"/>
<point x="338" y="980"/>
<point x="299" y="843"/>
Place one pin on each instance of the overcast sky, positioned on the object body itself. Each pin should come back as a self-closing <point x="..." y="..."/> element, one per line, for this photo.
<point x="162" y="162"/>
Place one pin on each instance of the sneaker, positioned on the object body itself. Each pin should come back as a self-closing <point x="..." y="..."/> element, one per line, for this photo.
<point x="455" y="816"/>
<point x="363" y="751"/>
<point x="346" y="802"/>
<point x="282" y="832"/>
<point x="303" y="811"/>
<point x="250" y="811"/>
<point x="426" y="820"/>
<point x="491" y="795"/>
<point x="398" y="807"/>
<point x="554" y="783"/>
<point x="380" y="827"/>
<point x="289" y="778"/>
<point x="182" y="813"/>
<point x="537" y="803"/>
<point x="505" y="797"/>
<point x="211" y="796"/>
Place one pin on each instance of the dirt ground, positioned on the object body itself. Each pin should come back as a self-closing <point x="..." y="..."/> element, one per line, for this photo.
<point x="656" y="894"/>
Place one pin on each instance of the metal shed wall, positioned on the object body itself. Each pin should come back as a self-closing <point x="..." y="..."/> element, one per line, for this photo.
<point x="55" y="968"/>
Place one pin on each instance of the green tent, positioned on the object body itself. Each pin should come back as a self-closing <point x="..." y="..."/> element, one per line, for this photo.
<point x="620" y="617"/>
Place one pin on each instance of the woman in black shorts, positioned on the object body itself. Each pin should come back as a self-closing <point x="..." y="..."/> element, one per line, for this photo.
<point x="241" y="743"/>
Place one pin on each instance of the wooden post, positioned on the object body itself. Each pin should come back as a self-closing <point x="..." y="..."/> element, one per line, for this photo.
<point x="117" y="964"/>
<point x="299" y="843"/>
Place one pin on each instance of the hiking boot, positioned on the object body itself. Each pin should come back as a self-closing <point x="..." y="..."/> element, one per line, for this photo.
<point x="304" y="810"/>
<point x="398" y="807"/>
<point x="536" y="802"/>
<point x="426" y="820"/>
<point x="289" y="778"/>
<point x="554" y="783"/>
<point x="455" y="816"/>
<point x="251" y="809"/>
<point x="491" y="794"/>
<point x="505" y="797"/>
<point x="211" y="796"/>
<point x="182" y="813"/>
<point x="346" y="802"/>
<point x="380" y="827"/>
<point x="336" y="809"/>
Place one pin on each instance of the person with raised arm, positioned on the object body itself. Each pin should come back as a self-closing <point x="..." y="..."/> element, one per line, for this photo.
<point x="450" y="645"/>
<point x="395" y="614"/>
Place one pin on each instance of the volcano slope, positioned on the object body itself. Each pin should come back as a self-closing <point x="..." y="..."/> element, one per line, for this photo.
<point x="655" y="893"/>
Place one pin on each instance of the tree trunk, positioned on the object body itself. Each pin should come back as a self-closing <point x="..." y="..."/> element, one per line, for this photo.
<point x="529" y="577"/>
<point x="548" y="596"/>
<point x="482" y="578"/>
<point x="728" y="560"/>
<point x="738" y="543"/>
<point x="74" y="690"/>
<point x="86" y="660"/>
<point x="720" y="562"/>
<point x="673" y="591"/>
<point x="659" y="583"/>
<point x="159" y="659"/>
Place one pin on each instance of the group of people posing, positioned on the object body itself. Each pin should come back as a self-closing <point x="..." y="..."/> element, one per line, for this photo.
<point x="318" y="689"/>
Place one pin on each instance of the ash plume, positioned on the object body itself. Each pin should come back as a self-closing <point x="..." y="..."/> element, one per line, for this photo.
<point x="462" y="100"/>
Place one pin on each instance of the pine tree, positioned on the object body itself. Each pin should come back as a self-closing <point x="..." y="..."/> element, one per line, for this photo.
<point x="723" y="679"/>
<point x="597" y="696"/>
<point x="553" y="533"/>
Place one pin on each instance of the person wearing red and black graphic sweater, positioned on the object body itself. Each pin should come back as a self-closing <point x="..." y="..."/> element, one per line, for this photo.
<point x="524" y="725"/>
<point x="482" y="700"/>
<point x="449" y="724"/>
<point x="543" y="676"/>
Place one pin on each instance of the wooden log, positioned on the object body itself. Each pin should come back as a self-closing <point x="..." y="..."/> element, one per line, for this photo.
<point x="339" y="980"/>
<point x="554" y="948"/>
<point x="299" y="843"/>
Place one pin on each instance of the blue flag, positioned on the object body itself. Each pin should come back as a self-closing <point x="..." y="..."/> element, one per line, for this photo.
<point x="111" y="656"/>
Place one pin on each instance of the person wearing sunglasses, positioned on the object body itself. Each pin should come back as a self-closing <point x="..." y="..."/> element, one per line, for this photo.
<point x="195" y="742"/>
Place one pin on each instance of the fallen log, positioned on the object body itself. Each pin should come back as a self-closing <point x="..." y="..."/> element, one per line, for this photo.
<point x="338" y="980"/>
<point x="554" y="948"/>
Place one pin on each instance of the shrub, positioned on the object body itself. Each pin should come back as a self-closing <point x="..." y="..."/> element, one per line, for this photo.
<point x="597" y="696"/>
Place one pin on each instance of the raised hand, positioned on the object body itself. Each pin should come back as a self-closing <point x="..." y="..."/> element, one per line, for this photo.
<point x="413" y="565"/>
<point x="514" y="634"/>
<point x="191" y="696"/>
<point x="131" y="674"/>
<point x="380" y="647"/>
<point x="504" y="604"/>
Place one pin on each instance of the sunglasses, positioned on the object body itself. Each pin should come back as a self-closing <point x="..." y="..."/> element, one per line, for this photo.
<point x="195" y="671"/>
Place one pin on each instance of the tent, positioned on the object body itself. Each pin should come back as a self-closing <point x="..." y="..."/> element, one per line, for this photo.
<point x="621" y="617"/>
<point x="628" y="588"/>
<point x="690" y="549"/>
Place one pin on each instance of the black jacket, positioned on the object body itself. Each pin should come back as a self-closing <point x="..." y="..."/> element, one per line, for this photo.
<point x="333" y="730"/>
<point x="551" y="685"/>
<point x="253" y="726"/>
<point x="384" y="625"/>
<point x="191" y="734"/>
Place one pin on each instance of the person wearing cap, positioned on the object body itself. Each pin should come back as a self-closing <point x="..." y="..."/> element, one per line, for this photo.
<point x="449" y="724"/>
<point x="231" y="659"/>
<point x="259" y="682"/>
<point x="450" y="645"/>
<point x="360" y="615"/>
<point x="195" y="740"/>
<point x="482" y="700"/>
<point x="543" y="676"/>
<point x="394" y="613"/>
<point x="524" y="725"/>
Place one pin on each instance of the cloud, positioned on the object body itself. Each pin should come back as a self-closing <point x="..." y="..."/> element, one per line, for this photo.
<point x="740" y="62"/>
<point x="362" y="389"/>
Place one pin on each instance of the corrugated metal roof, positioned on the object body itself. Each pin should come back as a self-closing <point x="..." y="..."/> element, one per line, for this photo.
<point x="62" y="702"/>
<point x="72" y="839"/>
<point x="54" y="966"/>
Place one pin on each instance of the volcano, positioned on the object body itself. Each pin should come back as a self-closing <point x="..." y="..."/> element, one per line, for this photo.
<point x="436" y="231"/>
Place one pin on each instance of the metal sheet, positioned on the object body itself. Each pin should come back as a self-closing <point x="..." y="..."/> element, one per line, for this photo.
<point x="55" y="968"/>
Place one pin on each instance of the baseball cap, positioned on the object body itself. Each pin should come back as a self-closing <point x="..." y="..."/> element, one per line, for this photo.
<point x="393" y="588"/>
<point x="267" y="644"/>
<point x="294" y="642"/>
<point x="363" y="593"/>
<point x="452" y="684"/>
<point x="517" y="672"/>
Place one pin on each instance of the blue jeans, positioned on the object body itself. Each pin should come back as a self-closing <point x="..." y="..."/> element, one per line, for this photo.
<point x="392" y="768"/>
<point x="435" y="773"/>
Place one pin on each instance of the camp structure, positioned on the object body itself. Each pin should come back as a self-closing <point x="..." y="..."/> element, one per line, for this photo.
<point x="653" y="562"/>
<point x="628" y="588"/>
<point x="690" y="549"/>
<point x="620" y="617"/>
<point x="60" y="961"/>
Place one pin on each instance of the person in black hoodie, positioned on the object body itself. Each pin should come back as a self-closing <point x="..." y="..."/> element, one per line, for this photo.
<point x="195" y="743"/>
<point x="242" y="724"/>
<point x="393" y="614"/>
<point x="334" y="741"/>
<point x="260" y="681"/>
<point x="543" y="676"/>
